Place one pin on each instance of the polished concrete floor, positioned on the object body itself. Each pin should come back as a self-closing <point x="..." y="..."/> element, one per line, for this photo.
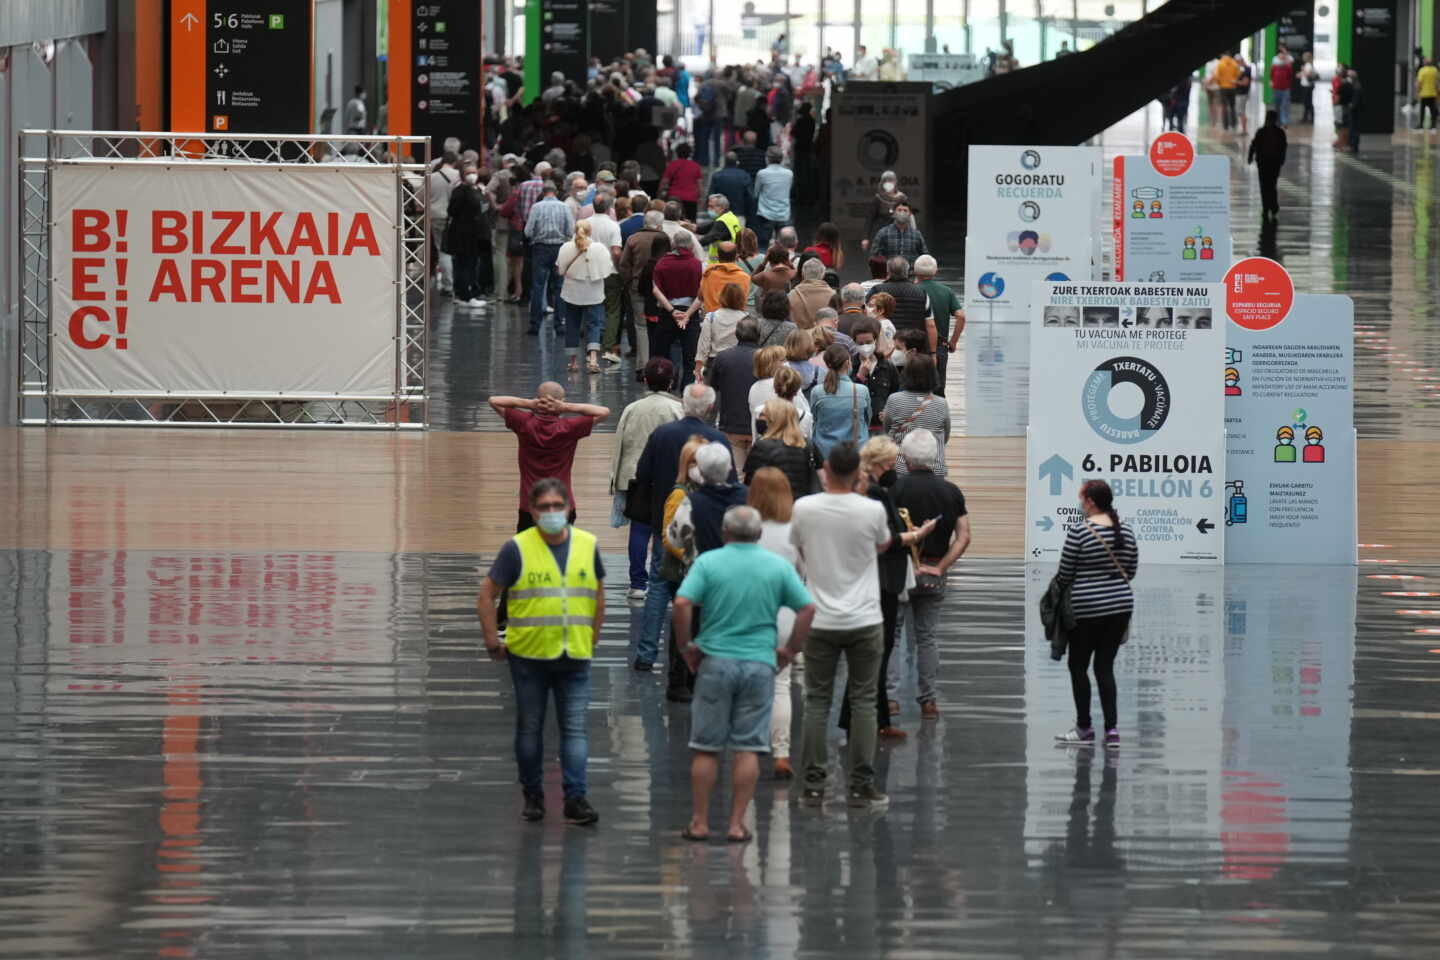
<point x="245" y="719"/>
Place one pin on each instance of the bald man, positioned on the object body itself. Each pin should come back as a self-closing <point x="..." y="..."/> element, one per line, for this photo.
<point x="548" y="429"/>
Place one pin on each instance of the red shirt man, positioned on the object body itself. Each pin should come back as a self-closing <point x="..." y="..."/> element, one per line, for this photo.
<point x="547" y="437"/>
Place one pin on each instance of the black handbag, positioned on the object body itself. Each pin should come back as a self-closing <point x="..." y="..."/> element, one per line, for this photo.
<point x="639" y="499"/>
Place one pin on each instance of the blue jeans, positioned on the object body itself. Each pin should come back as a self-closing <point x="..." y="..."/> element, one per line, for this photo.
<point x="765" y="229"/>
<point x="534" y="681"/>
<point x="544" y="280"/>
<point x="587" y="318"/>
<point x="1282" y="106"/>
<point x="658" y="596"/>
<point x="639" y="546"/>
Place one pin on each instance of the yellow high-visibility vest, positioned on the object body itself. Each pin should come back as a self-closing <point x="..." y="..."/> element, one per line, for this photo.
<point x="732" y="223"/>
<point x="552" y="613"/>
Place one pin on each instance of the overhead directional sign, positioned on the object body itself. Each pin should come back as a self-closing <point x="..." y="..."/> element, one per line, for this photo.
<point x="236" y="69"/>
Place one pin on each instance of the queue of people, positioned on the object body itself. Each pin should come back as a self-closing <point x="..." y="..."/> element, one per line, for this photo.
<point x="783" y="475"/>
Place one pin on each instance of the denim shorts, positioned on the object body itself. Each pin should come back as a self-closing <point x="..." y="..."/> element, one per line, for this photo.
<point x="732" y="705"/>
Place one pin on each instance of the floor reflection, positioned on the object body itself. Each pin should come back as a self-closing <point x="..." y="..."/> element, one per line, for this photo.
<point x="274" y="755"/>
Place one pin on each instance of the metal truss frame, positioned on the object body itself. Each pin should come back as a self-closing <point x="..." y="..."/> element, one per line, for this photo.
<point x="39" y="405"/>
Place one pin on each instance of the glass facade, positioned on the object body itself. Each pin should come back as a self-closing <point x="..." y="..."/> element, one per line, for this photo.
<point x="749" y="31"/>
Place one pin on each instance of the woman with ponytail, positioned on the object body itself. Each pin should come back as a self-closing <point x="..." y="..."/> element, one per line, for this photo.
<point x="1098" y="562"/>
<point x="840" y="407"/>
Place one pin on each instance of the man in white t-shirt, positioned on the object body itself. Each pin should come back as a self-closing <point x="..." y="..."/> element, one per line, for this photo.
<point x="839" y="534"/>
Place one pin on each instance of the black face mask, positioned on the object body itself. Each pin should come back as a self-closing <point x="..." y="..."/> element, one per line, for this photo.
<point x="887" y="479"/>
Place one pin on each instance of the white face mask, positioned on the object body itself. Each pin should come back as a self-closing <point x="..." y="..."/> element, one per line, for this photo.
<point x="897" y="357"/>
<point x="472" y="178"/>
<point x="867" y="350"/>
<point x="695" y="476"/>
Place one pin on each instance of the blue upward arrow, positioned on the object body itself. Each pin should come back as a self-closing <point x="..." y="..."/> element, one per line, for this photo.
<point x="1055" y="468"/>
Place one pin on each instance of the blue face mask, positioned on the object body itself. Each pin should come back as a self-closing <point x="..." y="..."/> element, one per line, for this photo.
<point x="552" y="522"/>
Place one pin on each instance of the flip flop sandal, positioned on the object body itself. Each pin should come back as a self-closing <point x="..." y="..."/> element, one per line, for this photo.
<point x="745" y="837"/>
<point x="694" y="837"/>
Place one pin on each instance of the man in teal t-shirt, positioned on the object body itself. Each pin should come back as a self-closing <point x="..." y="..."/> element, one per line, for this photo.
<point x="945" y="307"/>
<point x="739" y="590"/>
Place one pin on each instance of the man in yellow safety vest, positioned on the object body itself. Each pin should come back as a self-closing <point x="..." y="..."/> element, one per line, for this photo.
<point x="724" y="225"/>
<point x="556" y="605"/>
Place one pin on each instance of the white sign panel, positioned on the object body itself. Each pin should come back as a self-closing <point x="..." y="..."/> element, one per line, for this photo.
<point x="1290" y="405"/>
<point x="1031" y="217"/>
<point x="201" y="279"/>
<point x="1171" y="214"/>
<point x="1122" y="388"/>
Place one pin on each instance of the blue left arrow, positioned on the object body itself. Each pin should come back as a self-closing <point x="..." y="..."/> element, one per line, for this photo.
<point x="1055" y="468"/>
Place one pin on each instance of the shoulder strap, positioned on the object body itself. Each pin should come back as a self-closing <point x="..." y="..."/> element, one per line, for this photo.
<point x="1101" y="540"/>
<point x="918" y="410"/>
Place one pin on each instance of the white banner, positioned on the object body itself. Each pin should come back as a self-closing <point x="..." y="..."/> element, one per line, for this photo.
<point x="1122" y="388"/>
<point x="1031" y="217"/>
<point x="198" y="279"/>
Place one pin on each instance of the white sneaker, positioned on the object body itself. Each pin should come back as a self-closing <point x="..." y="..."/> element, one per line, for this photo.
<point x="549" y="309"/>
<point x="476" y="302"/>
<point x="635" y="596"/>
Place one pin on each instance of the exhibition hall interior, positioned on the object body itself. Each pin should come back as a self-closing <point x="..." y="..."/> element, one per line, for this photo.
<point x="1088" y="335"/>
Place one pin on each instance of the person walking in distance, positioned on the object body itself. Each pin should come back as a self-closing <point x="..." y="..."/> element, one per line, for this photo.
<point x="839" y="535"/>
<point x="1267" y="152"/>
<point x="1427" y="80"/>
<point x="637" y="422"/>
<point x="556" y="606"/>
<point x="925" y="496"/>
<point x="1098" y="562"/>
<point x="740" y="588"/>
<point x="770" y="494"/>
<point x="1282" y="78"/>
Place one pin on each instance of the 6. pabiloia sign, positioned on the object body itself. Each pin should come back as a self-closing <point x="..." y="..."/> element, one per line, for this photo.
<point x="1122" y="389"/>
<point x="1031" y="215"/>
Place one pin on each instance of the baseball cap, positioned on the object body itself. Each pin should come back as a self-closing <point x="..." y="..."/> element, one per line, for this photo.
<point x="606" y="175"/>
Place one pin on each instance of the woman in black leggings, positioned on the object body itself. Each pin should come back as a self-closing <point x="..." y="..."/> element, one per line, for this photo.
<point x="1098" y="563"/>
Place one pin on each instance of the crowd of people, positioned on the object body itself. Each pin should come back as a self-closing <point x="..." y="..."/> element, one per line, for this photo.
<point x="783" y="475"/>
<point x="821" y="554"/>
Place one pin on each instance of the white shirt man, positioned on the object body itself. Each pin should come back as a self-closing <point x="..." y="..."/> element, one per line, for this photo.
<point x="866" y="67"/>
<point x="839" y="534"/>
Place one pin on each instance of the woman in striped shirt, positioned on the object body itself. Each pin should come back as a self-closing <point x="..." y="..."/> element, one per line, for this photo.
<point x="916" y="407"/>
<point x="1098" y="563"/>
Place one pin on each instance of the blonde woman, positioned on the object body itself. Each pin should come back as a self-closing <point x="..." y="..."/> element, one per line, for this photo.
<point x="785" y="448"/>
<point x="680" y="549"/>
<point x="770" y="494"/>
<point x="799" y="348"/>
<point x="583" y="267"/>
<point x="787" y="387"/>
<point x="769" y="361"/>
